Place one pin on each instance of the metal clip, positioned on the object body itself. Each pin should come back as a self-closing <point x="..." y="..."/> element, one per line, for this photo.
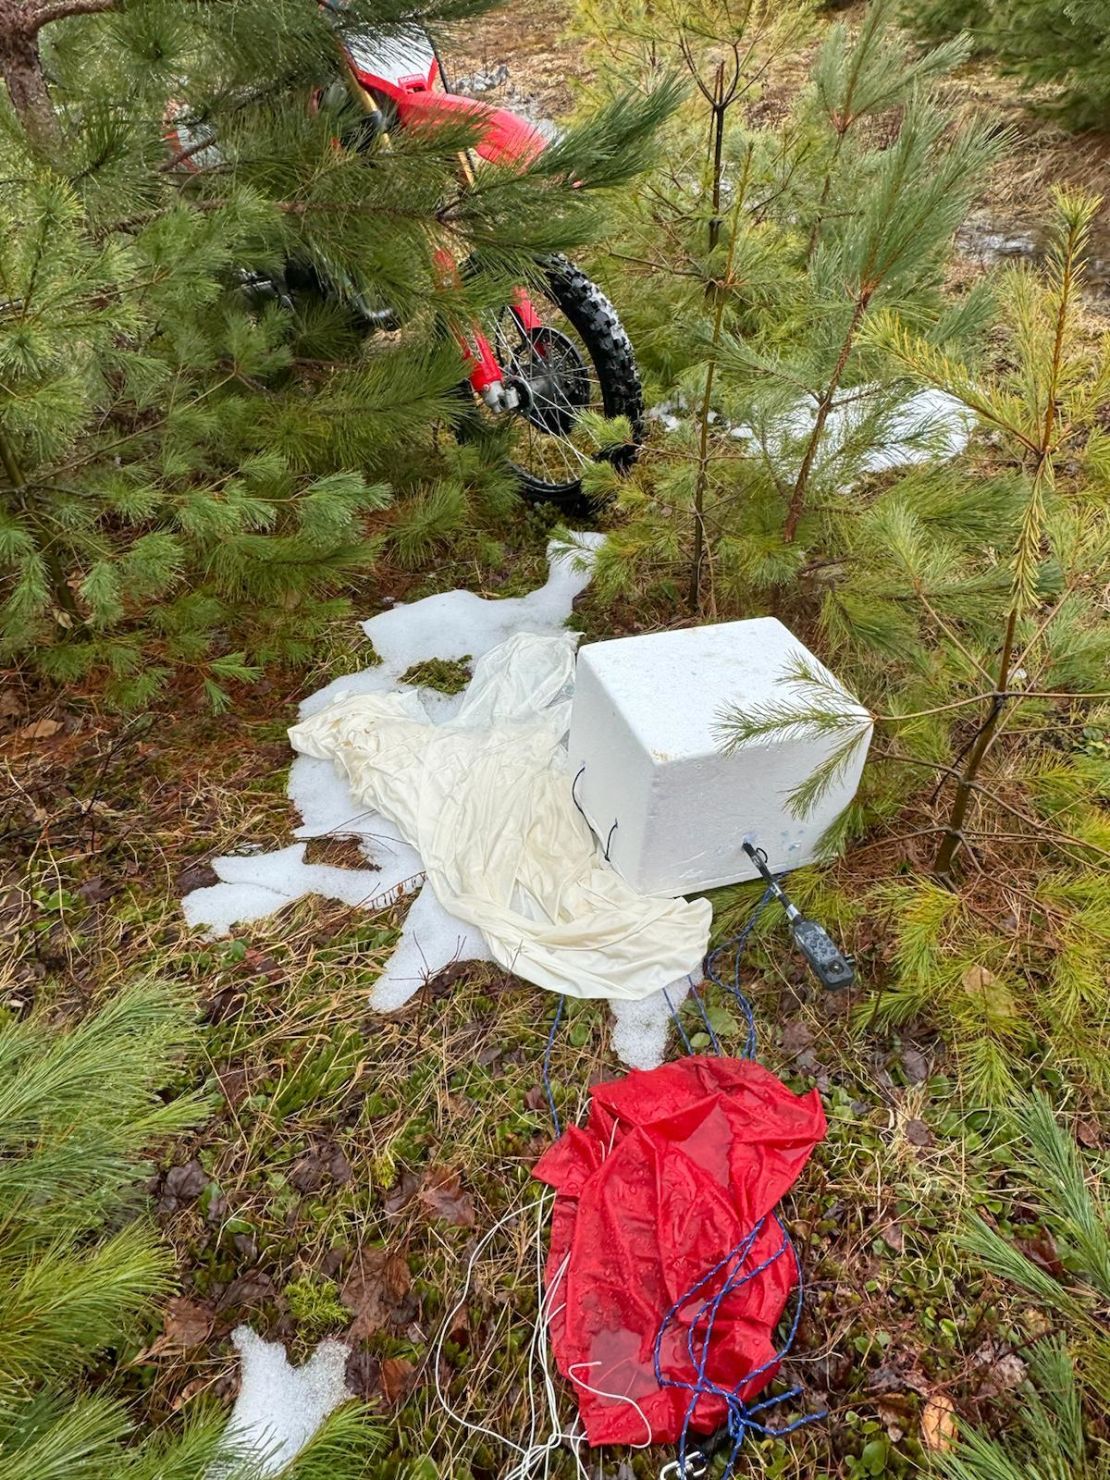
<point x="695" y="1468"/>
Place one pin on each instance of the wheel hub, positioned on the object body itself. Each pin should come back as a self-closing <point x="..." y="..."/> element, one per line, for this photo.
<point x="552" y="382"/>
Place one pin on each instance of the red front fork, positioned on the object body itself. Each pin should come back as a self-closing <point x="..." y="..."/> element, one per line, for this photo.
<point x="486" y="375"/>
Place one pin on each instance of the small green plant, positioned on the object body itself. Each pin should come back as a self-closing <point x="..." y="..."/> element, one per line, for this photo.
<point x="315" y="1305"/>
<point x="448" y="675"/>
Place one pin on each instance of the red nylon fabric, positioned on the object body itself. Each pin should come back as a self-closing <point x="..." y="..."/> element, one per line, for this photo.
<point x="673" y="1168"/>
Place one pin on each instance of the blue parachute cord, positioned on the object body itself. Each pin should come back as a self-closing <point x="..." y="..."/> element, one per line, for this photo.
<point x="705" y="1018"/>
<point x="736" y="947"/>
<point x="547" y="1066"/>
<point x="677" y="1022"/>
<point x="741" y="1416"/>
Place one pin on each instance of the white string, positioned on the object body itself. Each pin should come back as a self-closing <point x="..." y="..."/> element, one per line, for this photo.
<point x="474" y="1428"/>
<point x="532" y="1453"/>
<point x="616" y="1397"/>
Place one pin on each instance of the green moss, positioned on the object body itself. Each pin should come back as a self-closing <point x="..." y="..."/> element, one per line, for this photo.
<point x="448" y="675"/>
<point x="315" y="1304"/>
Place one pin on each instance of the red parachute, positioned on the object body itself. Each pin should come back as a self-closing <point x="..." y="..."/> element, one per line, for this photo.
<point x="675" y="1168"/>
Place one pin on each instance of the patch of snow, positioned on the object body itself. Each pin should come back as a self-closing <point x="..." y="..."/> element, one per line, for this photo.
<point x="639" y="1037"/>
<point x="258" y="884"/>
<point x="279" y="1407"/>
<point x="927" y="426"/>
<point x="432" y="939"/>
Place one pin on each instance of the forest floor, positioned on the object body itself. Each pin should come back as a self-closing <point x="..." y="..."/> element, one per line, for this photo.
<point x="352" y="1162"/>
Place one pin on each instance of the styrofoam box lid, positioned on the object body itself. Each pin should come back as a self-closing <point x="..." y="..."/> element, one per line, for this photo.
<point x="671" y="687"/>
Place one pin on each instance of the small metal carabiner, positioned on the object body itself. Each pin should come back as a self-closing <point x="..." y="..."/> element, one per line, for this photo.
<point x="695" y="1468"/>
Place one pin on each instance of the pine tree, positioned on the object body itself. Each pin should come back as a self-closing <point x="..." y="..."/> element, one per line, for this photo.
<point x="965" y="609"/>
<point x="190" y="470"/>
<point x="1065" y="43"/>
<point x="756" y="313"/>
<point x="81" y="1270"/>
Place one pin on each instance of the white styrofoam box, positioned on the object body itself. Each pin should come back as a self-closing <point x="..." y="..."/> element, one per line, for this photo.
<point x="644" y="736"/>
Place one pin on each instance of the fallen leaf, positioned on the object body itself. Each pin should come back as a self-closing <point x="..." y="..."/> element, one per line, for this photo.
<point x="938" y="1423"/>
<point x="535" y="1098"/>
<point x="196" y="876"/>
<point x="97" y="889"/>
<point x="182" y="1185"/>
<point x="442" y="1196"/>
<point x="977" y="979"/>
<point x="1041" y="1249"/>
<point x="233" y="1084"/>
<point x="796" y="1038"/>
<point x="916" y="1066"/>
<point x="402" y="1193"/>
<point x="190" y="1390"/>
<point x="249" y="1291"/>
<point x="893" y="1237"/>
<point x="376" y="1291"/>
<point x="308" y="1174"/>
<point x="363" y="1374"/>
<point x="39" y="729"/>
<point x="396" y="1376"/>
<point x="1087" y="1132"/>
<point x="918" y="1133"/>
<point x="186" y="1324"/>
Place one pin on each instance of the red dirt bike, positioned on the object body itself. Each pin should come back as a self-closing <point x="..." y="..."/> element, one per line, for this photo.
<point x="545" y="358"/>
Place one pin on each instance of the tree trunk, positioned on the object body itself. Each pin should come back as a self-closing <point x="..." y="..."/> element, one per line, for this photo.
<point x="21" y="69"/>
<point x="796" y="506"/>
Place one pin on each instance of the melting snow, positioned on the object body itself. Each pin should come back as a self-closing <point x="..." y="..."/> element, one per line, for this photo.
<point x="928" y="425"/>
<point x="279" y="1407"/>
<point x="253" y="885"/>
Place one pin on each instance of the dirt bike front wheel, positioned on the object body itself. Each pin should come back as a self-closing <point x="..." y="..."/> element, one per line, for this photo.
<point x="579" y="360"/>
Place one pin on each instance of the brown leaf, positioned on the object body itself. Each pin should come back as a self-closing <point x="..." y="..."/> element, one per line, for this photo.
<point x="918" y="1133"/>
<point x="535" y="1098"/>
<point x="187" y="1323"/>
<point x="376" y="1291"/>
<point x="196" y="876"/>
<point x="39" y="729"/>
<point x="893" y="1238"/>
<point x="442" y="1195"/>
<point x="938" y="1423"/>
<point x="402" y="1193"/>
<point x="796" y="1038"/>
<point x="1041" y="1249"/>
<point x="182" y="1185"/>
<point x="309" y="1172"/>
<point x="1087" y="1132"/>
<point x="97" y="889"/>
<point x="363" y="1374"/>
<point x="916" y="1065"/>
<point x="248" y="1292"/>
<point x="977" y="979"/>
<point x="233" y="1084"/>
<point x="10" y="705"/>
<point x="396" y="1377"/>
